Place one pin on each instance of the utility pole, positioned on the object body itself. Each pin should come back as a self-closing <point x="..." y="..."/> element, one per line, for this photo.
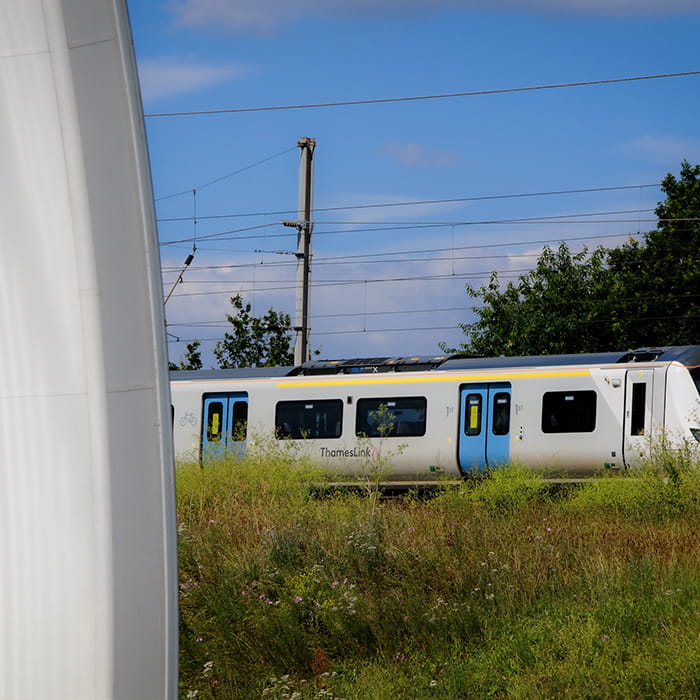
<point x="304" y="227"/>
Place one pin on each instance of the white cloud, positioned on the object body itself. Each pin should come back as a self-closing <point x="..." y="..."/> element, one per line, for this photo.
<point x="371" y="207"/>
<point x="414" y="155"/>
<point x="166" y="76"/>
<point x="265" y="16"/>
<point x="662" y="148"/>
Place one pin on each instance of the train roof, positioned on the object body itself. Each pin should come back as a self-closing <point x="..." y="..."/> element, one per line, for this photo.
<point x="688" y="355"/>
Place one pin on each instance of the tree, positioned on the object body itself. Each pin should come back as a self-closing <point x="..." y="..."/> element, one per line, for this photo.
<point x="643" y="293"/>
<point x="656" y="294"/>
<point x="555" y="308"/>
<point x="191" y="360"/>
<point x="255" y="341"/>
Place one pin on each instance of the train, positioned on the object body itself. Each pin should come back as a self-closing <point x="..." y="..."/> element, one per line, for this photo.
<point x="449" y="416"/>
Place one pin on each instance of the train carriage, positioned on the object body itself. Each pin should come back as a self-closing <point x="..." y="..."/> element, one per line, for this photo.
<point x="449" y="416"/>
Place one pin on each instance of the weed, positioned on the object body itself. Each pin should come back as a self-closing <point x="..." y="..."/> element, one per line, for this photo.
<point x="491" y="590"/>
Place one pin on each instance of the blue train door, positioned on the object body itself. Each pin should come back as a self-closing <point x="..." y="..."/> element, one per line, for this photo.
<point x="224" y="425"/>
<point x="484" y="435"/>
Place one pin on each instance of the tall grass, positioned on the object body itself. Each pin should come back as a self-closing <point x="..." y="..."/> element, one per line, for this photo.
<point x="497" y="589"/>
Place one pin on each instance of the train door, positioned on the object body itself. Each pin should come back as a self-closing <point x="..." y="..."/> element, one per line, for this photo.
<point x="484" y="435"/>
<point x="639" y="386"/>
<point x="224" y="425"/>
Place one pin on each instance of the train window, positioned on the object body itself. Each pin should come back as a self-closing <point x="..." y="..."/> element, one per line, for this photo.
<point x="500" y="423"/>
<point x="240" y="420"/>
<point x="568" y="412"/>
<point x="215" y="414"/>
<point x="391" y="417"/>
<point x="472" y="416"/>
<point x="302" y="420"/>
<point x="639" y="394"/>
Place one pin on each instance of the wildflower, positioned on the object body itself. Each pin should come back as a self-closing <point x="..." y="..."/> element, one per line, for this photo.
<point x="604" y="638"/>
<point x="212" y="522"/>
<point x="298" y="599"/>
<point x="334" y="584"/>
<point x="433" y="683"/>
<point x="199" y="639"/>
<point x="411" y="530"/>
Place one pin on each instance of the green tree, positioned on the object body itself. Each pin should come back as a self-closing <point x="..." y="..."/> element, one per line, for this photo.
<point x="643" y="293"/>
<point x="255" y="341"/>
<point x="554" y="308"/>
<point x="192" y="358"/>
<point x="656" y="294"/>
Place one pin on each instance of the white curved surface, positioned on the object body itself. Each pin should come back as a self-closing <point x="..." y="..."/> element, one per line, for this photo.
<point x="87" y="541"/>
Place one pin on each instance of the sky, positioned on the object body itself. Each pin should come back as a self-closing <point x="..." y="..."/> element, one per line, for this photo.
<point x="413" y="199"/>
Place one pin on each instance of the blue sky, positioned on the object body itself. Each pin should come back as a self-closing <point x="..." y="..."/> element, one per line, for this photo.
<point x="390" y="280"/>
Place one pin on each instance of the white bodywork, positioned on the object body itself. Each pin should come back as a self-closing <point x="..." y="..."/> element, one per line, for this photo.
<point x="87" y="537"/>
<point x="671" y="409"/>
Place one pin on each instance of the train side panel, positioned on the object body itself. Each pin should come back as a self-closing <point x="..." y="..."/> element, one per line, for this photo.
<point x="572" y="420"/>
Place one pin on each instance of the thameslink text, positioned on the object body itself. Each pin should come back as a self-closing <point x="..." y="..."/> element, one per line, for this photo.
<point x="354" y="452"/>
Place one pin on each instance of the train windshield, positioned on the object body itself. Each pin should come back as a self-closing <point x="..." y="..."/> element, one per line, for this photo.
<point x="695" y="374"/>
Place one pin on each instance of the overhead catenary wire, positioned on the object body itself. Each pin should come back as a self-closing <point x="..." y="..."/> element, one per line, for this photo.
<point x="399" y="225"/>
<point x="415" y="98"/>
<point x="226" y="176"/>
<point x="400" y="312"/>
<point x="424" y="329"/>
<point x="286" y="285"/>
<point x="481" y="246"/>
<point x="422" y="202"/>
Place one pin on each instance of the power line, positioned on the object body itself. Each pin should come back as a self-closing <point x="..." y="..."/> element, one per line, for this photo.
<point x="422" y="329"/>
<point x="420" y="202"/>
<point x="224" y="177"/>
<point x="409" y="225"/>
<point x="322" y="260"/>
<point x="399" y="312"/>
<point x="388" y="228"/>
<point x="384" y="100"/>
<point x="226" y="233"/>
<point x="290" y="285"/>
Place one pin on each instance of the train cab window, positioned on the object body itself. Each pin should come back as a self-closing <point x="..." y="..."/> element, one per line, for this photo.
<point x="639" y="395"/>
<point x="472" y="416"/>
<point x="569" y="411"/>
<point x="215" y="415"/>
<point x="695" y="375"/>
<point x="500" y="423"/>
<point x="403" y="416"/>
<point x="308" y="420"/>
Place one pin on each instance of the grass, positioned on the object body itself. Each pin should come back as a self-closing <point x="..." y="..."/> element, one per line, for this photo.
<point x="499" y="589"/>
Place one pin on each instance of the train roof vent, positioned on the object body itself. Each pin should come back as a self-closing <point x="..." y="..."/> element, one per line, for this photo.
<point x="368" y="365"/>
<point x="642" y="355"/>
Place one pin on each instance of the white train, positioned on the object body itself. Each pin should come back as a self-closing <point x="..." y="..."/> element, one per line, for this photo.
<point x="449" y="415"/>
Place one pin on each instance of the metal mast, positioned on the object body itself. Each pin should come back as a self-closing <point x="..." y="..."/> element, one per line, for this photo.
<point x="304" y="226"/>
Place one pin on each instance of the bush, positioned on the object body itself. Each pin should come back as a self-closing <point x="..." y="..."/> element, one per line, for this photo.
<point x="506" y="488"/>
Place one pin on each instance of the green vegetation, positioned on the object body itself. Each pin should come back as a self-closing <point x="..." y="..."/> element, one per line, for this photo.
<point x="502" y="588"/>
<point x="643" y="293"/>
<point x="254" y="341"/>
